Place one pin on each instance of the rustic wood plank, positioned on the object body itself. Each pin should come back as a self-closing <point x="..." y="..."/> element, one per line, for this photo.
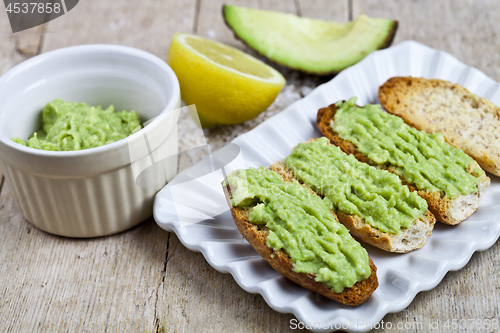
<point x="50" y="283"/>
<point x="195" y="297"/>
<point x="149" y="27"/>
<point x="298" y="84"/>
<point x="28" y="42"/>
<point x="467" y="30"/>
<point x="15" y="48"/>
<point x="211" y="23"/>
<point x="336" y="10"/>
<point x="182" y="309"/>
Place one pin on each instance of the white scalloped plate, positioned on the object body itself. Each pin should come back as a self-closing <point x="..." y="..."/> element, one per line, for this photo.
<point x="197" y="212"/>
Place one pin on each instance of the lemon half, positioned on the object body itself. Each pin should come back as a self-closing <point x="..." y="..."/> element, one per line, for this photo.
<point x="227" y="85"/>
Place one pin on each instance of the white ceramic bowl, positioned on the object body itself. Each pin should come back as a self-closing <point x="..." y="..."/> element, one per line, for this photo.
<point x="90" y="192"/>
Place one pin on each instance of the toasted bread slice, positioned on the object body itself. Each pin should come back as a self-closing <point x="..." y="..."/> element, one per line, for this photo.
<point x="467" y="121"/>
<point x="281" y="262"/>
<point x="408" y="239"/>
<point x="446" y="210"/>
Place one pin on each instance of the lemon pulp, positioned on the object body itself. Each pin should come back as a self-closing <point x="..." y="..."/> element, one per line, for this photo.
<point x="229" y="58"/>
<point x="226" y="85"/>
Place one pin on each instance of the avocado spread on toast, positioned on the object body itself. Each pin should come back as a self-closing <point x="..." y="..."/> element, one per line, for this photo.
<point x="301" y="224"/>
<point x="422" y="159"/>
<point x="356" y="188"/>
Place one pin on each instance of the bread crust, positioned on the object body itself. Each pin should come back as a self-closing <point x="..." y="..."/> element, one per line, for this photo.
<point x="281" y="262"/>
<point x="448" y="211"/>
<point x="467" y="121"/>
<point x="408" y="239"/>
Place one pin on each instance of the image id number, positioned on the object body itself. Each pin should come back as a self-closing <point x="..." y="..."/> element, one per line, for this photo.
<point x="472" y="324"/>
<point x="33" y="7"/>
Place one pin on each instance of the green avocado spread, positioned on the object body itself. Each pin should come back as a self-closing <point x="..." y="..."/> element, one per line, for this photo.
<point x="422" y="159"/>
<point x="300" y="223"/>
<point x="77" y="126"/>
<point x="356" y="188"/>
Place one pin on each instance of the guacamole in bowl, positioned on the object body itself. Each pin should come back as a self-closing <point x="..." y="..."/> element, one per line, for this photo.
<point x="75" y="126"/>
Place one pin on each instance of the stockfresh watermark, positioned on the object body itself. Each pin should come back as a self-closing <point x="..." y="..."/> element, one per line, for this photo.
<point x="26" y="14"/>
<point x="359" y="323"/>
<point x="432" y="325"/>
<point x="154" y="157"/>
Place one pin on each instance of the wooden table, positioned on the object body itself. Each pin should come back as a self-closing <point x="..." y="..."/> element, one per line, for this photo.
<point x="145" y="279"/>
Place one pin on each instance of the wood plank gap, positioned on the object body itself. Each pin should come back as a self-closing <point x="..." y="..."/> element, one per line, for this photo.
<point x="42" y="38"/>
<point x="63" y="3"/>
<point x="164" y="273"/>
<point x="1" y="184"/>
<point x="298" y="8"/>
<point x="349" y="10"/>
<point x="28" y="41"/>
<point x="196" y="18"/>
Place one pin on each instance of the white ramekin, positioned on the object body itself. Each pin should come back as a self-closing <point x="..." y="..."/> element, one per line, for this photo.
<point x="91" y="192"/>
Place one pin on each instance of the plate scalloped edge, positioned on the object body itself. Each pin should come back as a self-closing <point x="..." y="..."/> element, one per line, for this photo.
<point x="200" y="218"/>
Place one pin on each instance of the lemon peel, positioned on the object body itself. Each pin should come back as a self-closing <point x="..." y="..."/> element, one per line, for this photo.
<point x="227" y="85"/>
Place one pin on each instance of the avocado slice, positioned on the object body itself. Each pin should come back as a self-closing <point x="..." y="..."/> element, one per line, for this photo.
<point x="310" y="45"/>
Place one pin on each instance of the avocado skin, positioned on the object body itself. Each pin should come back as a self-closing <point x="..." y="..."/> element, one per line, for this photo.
<point x="390" y="37"/>
<point x="385" y="44"/>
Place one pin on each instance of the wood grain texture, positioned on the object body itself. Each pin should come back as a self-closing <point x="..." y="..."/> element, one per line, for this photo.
<point x="15" y="48"/>
<point x="18" y="47"/>
<point x="145" y="279"/>
<point x="330" y="10"/>
<point x="28" y="42"/>
<point x="195" y="297"/>
<point x="211" y="24"/>
<point x="50" y="283"/>
<point x="466" y="30"/>
<point x="148" y="26"/>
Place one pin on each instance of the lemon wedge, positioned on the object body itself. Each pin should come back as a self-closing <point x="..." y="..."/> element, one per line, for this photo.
<point x="226" y="85"/>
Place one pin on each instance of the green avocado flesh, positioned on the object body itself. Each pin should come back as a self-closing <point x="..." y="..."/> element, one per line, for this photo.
<point x="356" y="188"/>
<point x="306" y="44"/>
<point x="300" y="223"/>
<point x="77" y="126"/>
<point x="424" y="160"/>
